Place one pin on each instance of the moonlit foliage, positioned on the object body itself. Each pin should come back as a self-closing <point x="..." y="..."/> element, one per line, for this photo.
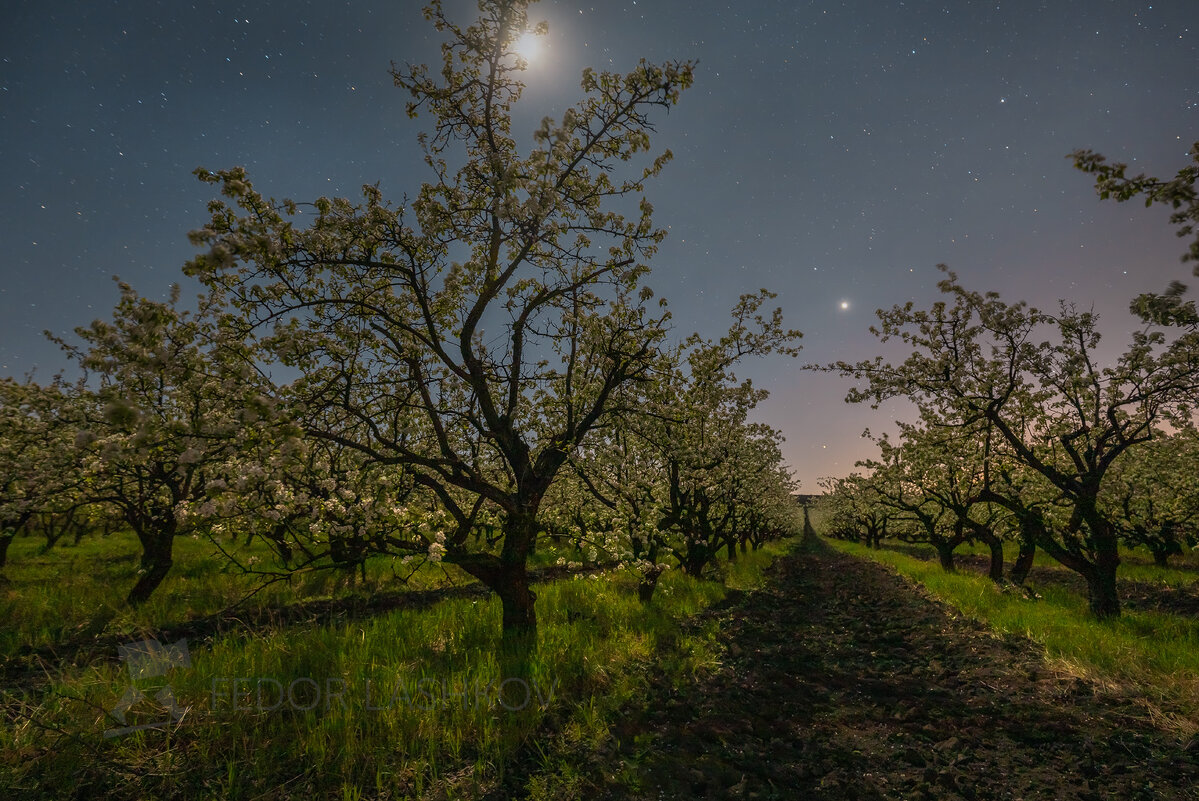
<point x="161" y="427"/>
<point x="37" y="479"/>
<point x="691" y="475"/>
<point x="1154" y="494"/>
<point x="471" y="368"/>
<point x="476" y="333"/>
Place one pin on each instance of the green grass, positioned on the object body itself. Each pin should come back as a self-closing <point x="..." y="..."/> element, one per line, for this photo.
<point x="1153" y="655"/>
<point x="62" y="594"/>
<point x="73" y="590"/>
<point x="415" y="736"/>
<point x="1136" y="564"/>
<point x="1136" y="568"/>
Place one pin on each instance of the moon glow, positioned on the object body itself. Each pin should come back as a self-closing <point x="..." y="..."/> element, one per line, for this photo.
<point x="528" y="46"/>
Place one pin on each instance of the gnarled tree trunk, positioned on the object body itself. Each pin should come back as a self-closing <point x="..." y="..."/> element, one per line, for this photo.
<point x="507" y="576"/>
<point x="1024" y="560"/>
<point x="647" y="585"/>
<point x="157" y="545"/>
<point x="1101" y="584"/>
<point x="995" y="544"/>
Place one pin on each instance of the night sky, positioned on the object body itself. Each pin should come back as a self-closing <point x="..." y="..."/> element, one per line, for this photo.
<point x="833" y="152"/>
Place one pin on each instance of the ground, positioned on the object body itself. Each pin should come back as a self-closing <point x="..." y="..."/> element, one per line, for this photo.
<point x="843" y="681"/>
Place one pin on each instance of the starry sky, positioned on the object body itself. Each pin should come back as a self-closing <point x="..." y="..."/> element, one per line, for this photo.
<point x="833" y="152"/>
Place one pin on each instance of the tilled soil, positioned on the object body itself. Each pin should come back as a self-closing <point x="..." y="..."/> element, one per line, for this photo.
<point x="843" y="681"/>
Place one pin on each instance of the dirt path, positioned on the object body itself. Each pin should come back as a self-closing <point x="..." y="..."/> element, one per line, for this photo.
<point x="843" y="682"/>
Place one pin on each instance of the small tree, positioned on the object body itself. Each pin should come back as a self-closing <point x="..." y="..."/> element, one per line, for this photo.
<point x="914" y="515"/>
<point x="938" y="476"/>
<point x="853" y="511"/>
<point x="701" y="428"/>
<point x="36" y="440"/>
<point x="164" y="410"/>
<point x="687" y="474"/>
<point x="964" y="472"/>
<point x="1155" y="495"/>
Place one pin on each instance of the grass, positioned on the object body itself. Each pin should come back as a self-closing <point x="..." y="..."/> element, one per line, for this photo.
<point x="1177" y="574"/>
<point x="1136" y="564"/>
<point x="400" y="705"/>
<point x="74" y="590"/>
<point x="1152" y="656"/>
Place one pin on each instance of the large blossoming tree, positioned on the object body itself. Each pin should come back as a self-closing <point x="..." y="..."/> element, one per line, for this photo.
<point x="473" y="334"/>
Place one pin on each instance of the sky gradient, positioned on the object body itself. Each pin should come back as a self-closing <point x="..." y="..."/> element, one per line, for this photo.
<point x="833" y="152"/>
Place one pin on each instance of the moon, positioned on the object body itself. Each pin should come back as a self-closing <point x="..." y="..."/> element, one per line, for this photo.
<point x="528" y="46"/>
<point x="844" y="305"/>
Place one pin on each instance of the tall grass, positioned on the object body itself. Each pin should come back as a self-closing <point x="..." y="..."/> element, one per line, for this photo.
<point x="402" y="705"/>
<point x="1152" y="655"/>
<point x="73" y="590"/>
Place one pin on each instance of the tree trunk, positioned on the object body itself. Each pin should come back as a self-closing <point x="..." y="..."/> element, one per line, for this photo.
<point x="1024" y="560"/>
<point x="945" y="554"/>
<point x="519" y="610"/>
<point x="697" y="558"/>
<point x="995" y="570"/>
<point x="5" y="541"/>
<point x="518" y="638"/>
<point x="512" y="581"/>
<point x="1101" y="589"/>
<point x="647" y="585"/>
<point x="1101" y="580"/>
<point x="518" y="641"/>
<point x="508" y="577"/>
<point x="156" y="563"/>
<point x="1164" y="545"/>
